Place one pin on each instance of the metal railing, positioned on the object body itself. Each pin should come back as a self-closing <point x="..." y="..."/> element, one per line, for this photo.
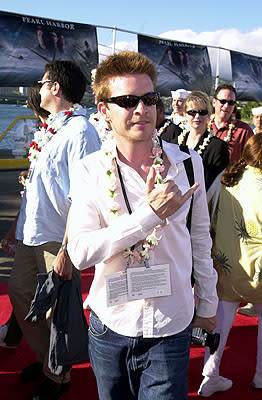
<point x="14" y="162"/>
<point x="24" y="117"/>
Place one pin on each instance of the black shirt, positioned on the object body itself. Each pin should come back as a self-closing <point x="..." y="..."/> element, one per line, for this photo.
<point x="215" y="156"/>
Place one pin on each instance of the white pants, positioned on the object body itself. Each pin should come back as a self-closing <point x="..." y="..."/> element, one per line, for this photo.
<point x="226" y="313"/>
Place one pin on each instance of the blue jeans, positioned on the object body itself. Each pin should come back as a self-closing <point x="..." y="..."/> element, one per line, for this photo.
<point x="140" y="368"/>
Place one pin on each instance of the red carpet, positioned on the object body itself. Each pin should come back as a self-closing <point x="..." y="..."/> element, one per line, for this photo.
<point x="238" y="363"/>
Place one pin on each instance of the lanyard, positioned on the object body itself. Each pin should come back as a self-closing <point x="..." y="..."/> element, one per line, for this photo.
<point x="126" y="198"/>
<point x="122" y="182"/>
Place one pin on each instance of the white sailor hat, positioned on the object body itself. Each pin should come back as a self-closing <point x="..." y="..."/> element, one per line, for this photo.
<point x="256" y="111"/>
<point x="180" y="94"/>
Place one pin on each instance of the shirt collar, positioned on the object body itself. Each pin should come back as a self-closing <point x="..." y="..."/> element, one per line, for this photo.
<point x="173" y="152"/>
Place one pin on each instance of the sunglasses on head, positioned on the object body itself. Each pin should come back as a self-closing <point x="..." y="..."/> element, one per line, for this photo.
<point x="194" y="112"/>
<point x="130" y="101"/>
<point x="224" y="101"/>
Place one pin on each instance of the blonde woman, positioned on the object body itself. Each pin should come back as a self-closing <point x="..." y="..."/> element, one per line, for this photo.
<point x="201" y="138"/>
<point x="237" y="257"/>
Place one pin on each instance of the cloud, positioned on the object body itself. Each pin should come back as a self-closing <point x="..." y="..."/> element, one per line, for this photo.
<point x="105" y="51"/>
<point x="231" y="39"/>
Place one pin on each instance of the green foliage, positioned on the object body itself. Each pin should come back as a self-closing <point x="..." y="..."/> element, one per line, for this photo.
<point x="245" y="107"/>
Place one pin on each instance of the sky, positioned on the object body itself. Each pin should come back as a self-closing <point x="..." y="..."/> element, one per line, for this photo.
<point x="229" y="24"/>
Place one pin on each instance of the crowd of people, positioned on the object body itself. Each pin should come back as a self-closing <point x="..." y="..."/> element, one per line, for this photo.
<point x="124" y="207"/>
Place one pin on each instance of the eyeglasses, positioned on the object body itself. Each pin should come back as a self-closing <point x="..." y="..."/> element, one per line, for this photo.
<point x="224" y="101"/>
<point x="193" y="113"/>
<point x="130" y="101"/>
<point x="43" y="82"/>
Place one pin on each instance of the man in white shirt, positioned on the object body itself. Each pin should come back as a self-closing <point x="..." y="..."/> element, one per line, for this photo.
<point x="62" y="141"/>
<point x="257" y="119"/>
<point x="128" y="216"/>
<point x="178" y="100"/>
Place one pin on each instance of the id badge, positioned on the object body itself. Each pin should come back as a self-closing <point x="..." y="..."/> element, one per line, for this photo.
<point x="30" y="172"/>
<point x="116" y="288"/>
<point x="146" y="282"/>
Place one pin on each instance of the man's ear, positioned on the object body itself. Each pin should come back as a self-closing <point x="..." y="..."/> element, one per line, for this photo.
<point x="55" y="88"/>
<point x="104" y="111"/>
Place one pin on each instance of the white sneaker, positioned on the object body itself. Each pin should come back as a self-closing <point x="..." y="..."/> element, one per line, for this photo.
<point x="257" y="381"/>
<point x="247" y="310"/>
<point x="213" y="384"/>
<point x="3" y="332"/>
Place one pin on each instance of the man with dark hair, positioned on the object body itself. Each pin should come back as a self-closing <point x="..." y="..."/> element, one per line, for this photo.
<point x="65" y="139"/>
<point x="67" y="74"/>
<point x="232" y="131"/>
<point x="132" y="226"/>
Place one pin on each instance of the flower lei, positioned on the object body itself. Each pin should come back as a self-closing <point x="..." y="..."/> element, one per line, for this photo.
<point x="99" y="123"/>
<point x="231" y="126"/>
<point x="152" y="239"/>
<point x="164" y="127"/>
<point x="44" y="134"/>
<point x="206" y="141"/>
<point x="183" y="125"/>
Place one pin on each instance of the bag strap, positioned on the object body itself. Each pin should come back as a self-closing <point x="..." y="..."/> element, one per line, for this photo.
<point x="191" y="179"/>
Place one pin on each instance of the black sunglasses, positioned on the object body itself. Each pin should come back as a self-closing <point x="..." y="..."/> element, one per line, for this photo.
<point x="224" y="101"/>
<point x="194" y="112"/>
<point x="130" y="101"/>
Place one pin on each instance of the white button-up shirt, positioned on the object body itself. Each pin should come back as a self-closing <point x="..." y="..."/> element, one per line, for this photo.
<point x="45" y="203"/>
<point x="97" y="237"/>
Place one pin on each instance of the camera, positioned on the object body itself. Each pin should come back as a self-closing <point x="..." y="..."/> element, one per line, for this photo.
<point x="202" y="338"/>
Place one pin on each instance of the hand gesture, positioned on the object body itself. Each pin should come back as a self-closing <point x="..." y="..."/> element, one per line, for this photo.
<point x="165" y="198"/>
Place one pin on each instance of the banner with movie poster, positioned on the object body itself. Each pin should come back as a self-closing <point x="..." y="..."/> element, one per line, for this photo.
<point x="28" y="43"/>
<point x="247" y="76"/>
<point x="179" y="65"/>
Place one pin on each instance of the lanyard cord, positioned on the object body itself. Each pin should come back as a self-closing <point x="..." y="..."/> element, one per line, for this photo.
<point x="124" y="194"/>
<point x="123" y="188"/>
<point x="122" y="182"/>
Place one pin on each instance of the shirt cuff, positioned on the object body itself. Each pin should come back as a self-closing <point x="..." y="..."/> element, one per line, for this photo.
<point x="147" y="218"/>
<point x="205" y="309"/>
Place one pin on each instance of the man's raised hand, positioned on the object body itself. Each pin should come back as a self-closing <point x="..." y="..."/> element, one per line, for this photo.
<point x="165" y="198"/>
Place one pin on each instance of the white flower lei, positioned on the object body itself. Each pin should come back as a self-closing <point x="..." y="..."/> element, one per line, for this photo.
<point x="206" y="141"/>
<point x="100" y="124"/>
<point x="164" y="127"/>
<point x="183" y="124"/>
<point x="231" y="126"/>
<point x="45" y="134"/>
<point x="152" y="239"/>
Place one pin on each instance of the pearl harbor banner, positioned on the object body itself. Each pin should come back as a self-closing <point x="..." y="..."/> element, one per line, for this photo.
<point x="27" y="43"/>
<point x="179" y="65"/>
<point x="247" y="76"/>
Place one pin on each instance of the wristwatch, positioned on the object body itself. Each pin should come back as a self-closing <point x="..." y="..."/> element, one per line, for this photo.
<point x="64" y="247"/>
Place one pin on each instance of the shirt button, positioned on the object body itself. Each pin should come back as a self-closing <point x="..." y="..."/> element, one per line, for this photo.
<point x="148" y="304"/>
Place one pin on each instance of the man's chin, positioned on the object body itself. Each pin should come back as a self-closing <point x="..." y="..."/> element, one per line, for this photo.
<point x="226" y="116"/>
